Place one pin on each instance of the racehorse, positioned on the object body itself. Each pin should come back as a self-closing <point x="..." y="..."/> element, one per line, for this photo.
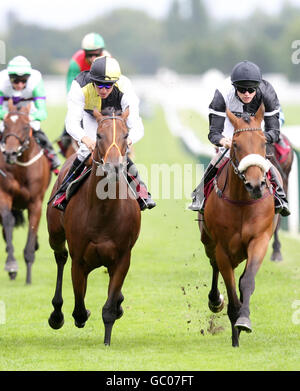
<point x="239" y="220"/>
<point x="283" y="163"/>
<point x="99" y="230"/>
<point x="25" y="177"/>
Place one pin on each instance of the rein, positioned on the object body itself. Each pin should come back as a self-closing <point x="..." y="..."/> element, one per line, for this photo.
<point x="102" y="160"/>
<point x="240" y="174"/>
<point x="31" y="161"/>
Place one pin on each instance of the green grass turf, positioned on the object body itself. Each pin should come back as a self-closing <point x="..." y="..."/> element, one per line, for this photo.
<point x="166" y="324"/>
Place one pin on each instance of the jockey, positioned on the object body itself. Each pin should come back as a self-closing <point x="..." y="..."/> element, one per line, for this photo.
<point x="103" y="86"/>
<point x="243" y="93"/>
<point x="23" y="84"/>
<point x="92" y="46"/>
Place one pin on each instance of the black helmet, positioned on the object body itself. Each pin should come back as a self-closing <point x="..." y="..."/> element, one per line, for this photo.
<point x="246" y="74"/>
<point x="105" y="70"/>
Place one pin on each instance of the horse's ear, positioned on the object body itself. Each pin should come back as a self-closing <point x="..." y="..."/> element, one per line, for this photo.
<point x="232" y="118"/>
<point x="125" y="113"/>
<point x="260" y="113"/>
<point x="97" y="115"/>
<point x="26" y="109"/>
<point x="11" y="106"/>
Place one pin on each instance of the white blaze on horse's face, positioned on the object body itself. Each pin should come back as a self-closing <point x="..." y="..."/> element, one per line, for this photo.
<point x="254" y="159"/>
<point x="14" y="118"/>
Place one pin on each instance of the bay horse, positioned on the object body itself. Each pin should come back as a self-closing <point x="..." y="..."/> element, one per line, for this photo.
<point x="25" y="177"/>
<point x="99" y="230"/>
<point x="284" y="165"/>
<point x="239" y="220"/>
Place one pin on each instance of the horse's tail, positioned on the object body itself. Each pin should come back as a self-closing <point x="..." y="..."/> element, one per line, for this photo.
<point x="19" y="217"/>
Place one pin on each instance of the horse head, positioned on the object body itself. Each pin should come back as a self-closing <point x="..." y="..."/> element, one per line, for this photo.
<point x="248" y="151"/>
<point x="17" y="132"/>
<point x="111" y="142"/>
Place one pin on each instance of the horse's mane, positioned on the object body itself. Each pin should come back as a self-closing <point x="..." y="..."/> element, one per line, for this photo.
<point x="111" y="111"/>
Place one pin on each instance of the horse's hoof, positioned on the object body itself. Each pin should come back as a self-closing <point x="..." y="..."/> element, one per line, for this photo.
<point x="243" y="324"/>
<point x="276" y="257"/>
<point x="12" y="275"/>
<point x="80" y="325"/>
<point x="120" y="312"/>
<point x="56" y="324"/>
<point x="216" y="307"/>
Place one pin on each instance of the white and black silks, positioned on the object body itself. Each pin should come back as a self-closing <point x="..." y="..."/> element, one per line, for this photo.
<point x="226" y="98"/>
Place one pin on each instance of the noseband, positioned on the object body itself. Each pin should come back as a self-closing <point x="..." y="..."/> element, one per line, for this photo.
<point x="236" y="169"/>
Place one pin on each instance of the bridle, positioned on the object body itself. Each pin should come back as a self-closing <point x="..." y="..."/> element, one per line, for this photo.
<point x="236" y="170"/>
<point x="102" y="160"/>
<point x="240" y="174"/>
<point x="24" y="144"/>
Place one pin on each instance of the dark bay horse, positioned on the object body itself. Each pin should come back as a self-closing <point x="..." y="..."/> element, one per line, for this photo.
<point x="239" y="220"/>
<point x="25" y="177"/>
<point x="284" y="165"/>
<point x="100" y="230"/>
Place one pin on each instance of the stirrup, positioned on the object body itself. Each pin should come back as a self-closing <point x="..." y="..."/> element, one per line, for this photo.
<point x="282" y="209"/>
<point x="146" y="203"/>
<point x="197" y="205"/>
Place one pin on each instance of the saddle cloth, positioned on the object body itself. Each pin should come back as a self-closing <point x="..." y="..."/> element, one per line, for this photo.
<point x="282" y="150"/>
<point x="74" y="185"/>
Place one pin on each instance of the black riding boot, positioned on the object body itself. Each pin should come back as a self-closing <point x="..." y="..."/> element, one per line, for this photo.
<point x="138" y="186"/>
<point x="198" y="194"/>
<point x="50" y="153"/>
<point x="280" y="198"/>
<point x="60" y="201"/>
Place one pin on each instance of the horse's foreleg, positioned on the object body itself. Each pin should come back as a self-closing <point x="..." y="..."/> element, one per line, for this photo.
<point x="57" y="242"/>
<point x="215" y="299"/>
<point x="34" y="215"/>
<point x="225" y="268"/>
<point x="79" y="279"/>
<point x="56" y="319"/>
<point x="8" y="222"/>
<point x="112" y="309"/>
<point x="256" y="252"/>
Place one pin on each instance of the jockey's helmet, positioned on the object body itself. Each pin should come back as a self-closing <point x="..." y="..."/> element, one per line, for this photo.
<point x="19" y="65"/>
<point x="92" y="41"/>
<point x="246" y="74"/>
<point x="105" y="70"/>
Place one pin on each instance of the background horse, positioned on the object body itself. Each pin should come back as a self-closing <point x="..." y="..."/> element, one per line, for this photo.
<point x="239" y="220"/>
<point x="283" y="163"/>
<point x="25" y="176"/>
<point x="100" y="229"/>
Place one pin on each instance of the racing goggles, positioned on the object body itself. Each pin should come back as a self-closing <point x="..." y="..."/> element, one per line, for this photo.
<point x="107" y="86"/>
<point x="243" y="90"/>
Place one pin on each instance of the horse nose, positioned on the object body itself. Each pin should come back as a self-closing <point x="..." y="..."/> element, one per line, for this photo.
<point x="10" y="156"/>
<point x="255" y="190"/>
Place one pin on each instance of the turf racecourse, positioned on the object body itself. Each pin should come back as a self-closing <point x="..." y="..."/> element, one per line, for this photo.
<point x="167" y="325"/>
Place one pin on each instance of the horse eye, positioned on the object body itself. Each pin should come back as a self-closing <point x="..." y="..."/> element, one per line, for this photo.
<point x="99" y="137"/>
<point x="126" y="136"/>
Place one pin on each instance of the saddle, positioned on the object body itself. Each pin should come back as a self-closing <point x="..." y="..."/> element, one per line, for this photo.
<point x="75" y="185"/>
<point x="208" y="187"/>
